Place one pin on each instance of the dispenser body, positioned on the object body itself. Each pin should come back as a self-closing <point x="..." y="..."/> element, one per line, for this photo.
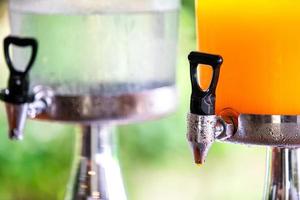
<point x="99" y="48"/>
<point x="259" y="43"/>
<point x="100" y="60"/>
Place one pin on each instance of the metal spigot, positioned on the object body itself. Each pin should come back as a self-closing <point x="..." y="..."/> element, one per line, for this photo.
<point x="204" y="126"/>
<point x="17" y="96"/>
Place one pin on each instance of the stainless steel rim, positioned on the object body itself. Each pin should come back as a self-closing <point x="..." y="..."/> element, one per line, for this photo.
<point x="268" y="130"/>
<point x="118" y="109"/>
<point x="282" y="177"/>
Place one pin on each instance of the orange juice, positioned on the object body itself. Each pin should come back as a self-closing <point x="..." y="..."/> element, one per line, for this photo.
<point x="260" y="43"/>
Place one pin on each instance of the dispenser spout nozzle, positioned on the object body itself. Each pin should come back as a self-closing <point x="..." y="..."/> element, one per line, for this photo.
<point x="200" y="152"/>
<point x="17" y="96"/>
<point x="204" y="130"/>
<point x="202" y="120"/>
<point x="201" y="135"/>
<point x="16" y="116"/>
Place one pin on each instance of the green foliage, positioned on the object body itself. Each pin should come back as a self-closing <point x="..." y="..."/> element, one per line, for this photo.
<point x="34" y="168"/>
<point x="188" y="5"/>
<point x="2" y="6"/>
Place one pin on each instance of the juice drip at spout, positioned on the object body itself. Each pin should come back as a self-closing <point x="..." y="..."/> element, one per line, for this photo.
<point x="260" y="43"/>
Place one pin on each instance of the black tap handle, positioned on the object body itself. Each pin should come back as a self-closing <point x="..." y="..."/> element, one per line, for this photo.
<point x="20" y="42"/>
<point x="18" y="83"/>
<point x="203" y="102"/>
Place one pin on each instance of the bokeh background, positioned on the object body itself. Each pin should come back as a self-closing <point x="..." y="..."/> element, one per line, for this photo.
<point x="155" y="157"/>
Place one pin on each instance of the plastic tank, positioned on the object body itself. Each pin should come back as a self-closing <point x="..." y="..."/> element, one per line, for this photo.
<point x="259" y="41"/>
<point x="99" y="47"/>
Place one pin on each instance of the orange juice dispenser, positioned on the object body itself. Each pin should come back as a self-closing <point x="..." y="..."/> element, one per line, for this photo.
<point x="93" y="63"/>
<point x="249" y="92"/>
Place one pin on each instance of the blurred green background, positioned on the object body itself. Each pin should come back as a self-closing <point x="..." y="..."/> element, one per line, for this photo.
<point x="155" y="157"/>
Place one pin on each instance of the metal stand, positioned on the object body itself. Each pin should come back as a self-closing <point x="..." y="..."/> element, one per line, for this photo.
<point x="205" y="127"/>
<point x="279" y="132"/>
<point x="98" y="173"/>
<point x="283" y="178"/>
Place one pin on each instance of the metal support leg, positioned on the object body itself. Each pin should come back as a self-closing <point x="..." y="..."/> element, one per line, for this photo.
<point x="98" y="173"/>
<point x="283" y="179"/>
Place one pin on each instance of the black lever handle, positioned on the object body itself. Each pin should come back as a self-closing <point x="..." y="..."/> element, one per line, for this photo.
<point x="20" y="42"/>
<point x="18" y="83"/>
<point x="203" y="102"/>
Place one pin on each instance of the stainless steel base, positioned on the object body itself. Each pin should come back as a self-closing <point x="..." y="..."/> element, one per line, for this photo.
<point x="283" y="178"/>
<point x="283" y="168"/>
<point x="268" y="130"/>
<point x="97" y="173"/>
<point x="281" y="132"/>
<point x="122" y="108"/>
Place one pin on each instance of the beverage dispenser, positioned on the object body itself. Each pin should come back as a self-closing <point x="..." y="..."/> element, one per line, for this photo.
<point x="93" y="63"/>
<point x="245" y="87"/>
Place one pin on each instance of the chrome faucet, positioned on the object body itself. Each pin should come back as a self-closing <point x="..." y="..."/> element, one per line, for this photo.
<point x="204" y="126"/>
<point x="20" y="102"/>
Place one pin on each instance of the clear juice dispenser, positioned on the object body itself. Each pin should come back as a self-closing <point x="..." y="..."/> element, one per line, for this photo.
<point x="97" y="49"/>
<point x="94" y="63"/>
<point x="249" y="92"/>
